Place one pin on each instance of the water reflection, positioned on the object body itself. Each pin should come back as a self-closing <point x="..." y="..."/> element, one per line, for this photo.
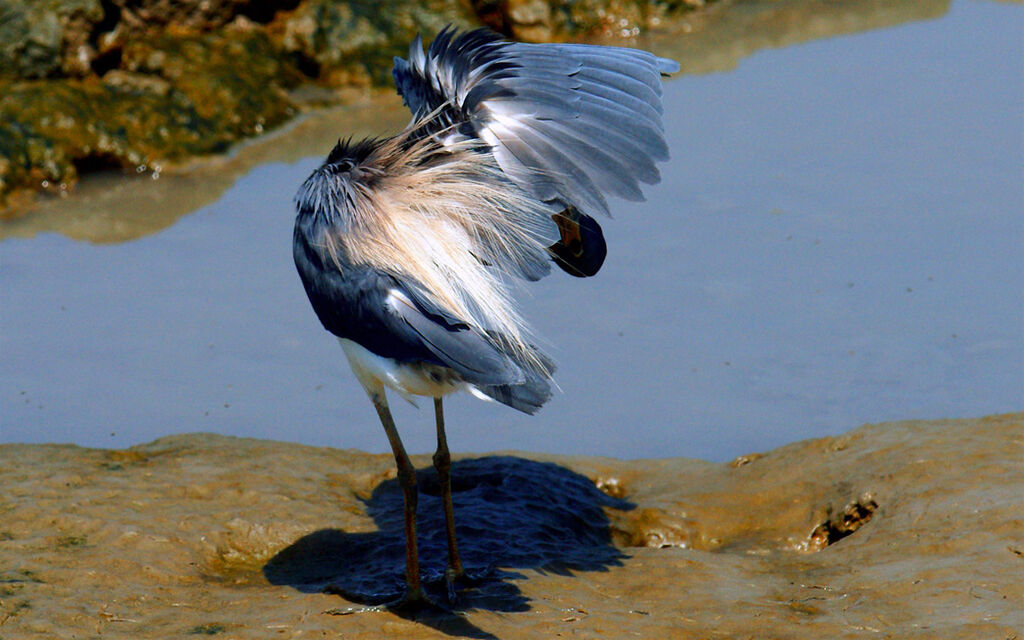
<point x="720" y="38"/>
<point x="114" y="208"/>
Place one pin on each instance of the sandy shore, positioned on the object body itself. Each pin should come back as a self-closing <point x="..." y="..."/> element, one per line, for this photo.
<point x="901" y="530"/>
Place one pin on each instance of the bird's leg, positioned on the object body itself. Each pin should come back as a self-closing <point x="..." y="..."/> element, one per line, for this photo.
<point x="443" y="464"/>
<point x="407" y="478"/>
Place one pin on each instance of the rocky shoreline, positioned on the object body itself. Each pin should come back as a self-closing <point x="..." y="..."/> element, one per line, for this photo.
<point x="88" y="85"/>
<point x="897" y="530"/>
<point x="143" y="86"/>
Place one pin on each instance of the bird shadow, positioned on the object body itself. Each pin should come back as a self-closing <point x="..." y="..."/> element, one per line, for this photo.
<point x="510" y="513"/>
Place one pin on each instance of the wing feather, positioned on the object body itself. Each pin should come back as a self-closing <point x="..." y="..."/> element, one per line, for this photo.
<point x="568" y="123"/>
<point x="457" y="345"/>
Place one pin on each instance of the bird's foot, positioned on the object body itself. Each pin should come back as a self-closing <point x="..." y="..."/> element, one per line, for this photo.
<point x="459" y="580"/>
<point x="466" y="579"/>
<point x="413" y="603"/>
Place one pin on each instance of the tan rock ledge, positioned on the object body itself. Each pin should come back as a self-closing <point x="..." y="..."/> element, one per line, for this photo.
<point x="898" y="530"/>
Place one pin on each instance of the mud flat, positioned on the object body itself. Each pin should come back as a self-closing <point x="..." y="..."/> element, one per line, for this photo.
<point x="907" y="529"/>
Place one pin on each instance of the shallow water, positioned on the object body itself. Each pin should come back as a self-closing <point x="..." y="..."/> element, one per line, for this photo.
<point x="837" y="240"/>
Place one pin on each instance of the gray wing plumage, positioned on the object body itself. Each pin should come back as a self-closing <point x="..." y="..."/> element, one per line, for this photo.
<point x="478" y="359"/>
<point x="568" y="123"/>
<point x="359" y="304"/>
<point x="455" y="344"/>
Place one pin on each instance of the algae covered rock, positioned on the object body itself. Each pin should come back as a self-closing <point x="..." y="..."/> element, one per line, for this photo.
<point x="46" y="38"/>
<point x="547" y="20"/>
<point x="198" y="16"/>
<point x="98" y="84"/>
<point x="353" y="42"/>
<point x="236" y="83"/>
<point x="89" y="85"/>
<point x="192" y="101"/>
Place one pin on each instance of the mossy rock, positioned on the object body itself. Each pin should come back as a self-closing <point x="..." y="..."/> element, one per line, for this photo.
<point x="92" y="84"/>
<point x="353" y="43"/>
<point x="46" y="38"/>
<point x="195" y="102"/>
<point x="233" y="79"/>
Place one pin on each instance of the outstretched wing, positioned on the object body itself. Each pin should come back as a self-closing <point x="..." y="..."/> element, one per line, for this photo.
<point x="568" y="123"/>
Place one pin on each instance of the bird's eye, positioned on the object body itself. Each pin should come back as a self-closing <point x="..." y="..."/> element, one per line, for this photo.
<point x="343" y="166"/>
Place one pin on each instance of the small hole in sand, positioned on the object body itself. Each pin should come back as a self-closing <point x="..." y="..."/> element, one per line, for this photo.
<point x="853" y="516"/>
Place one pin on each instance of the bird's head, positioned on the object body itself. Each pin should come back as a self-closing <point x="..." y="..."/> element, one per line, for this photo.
<point x="333" y="190"/>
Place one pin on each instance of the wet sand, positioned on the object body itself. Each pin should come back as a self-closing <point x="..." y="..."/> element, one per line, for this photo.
<point x="908" y="529"/>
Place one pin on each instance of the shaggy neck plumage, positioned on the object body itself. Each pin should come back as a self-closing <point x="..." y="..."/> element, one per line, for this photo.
<point x="444" y="217"/>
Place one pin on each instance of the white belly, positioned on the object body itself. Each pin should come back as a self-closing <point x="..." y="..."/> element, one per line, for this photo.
<point x="376" y="372"/>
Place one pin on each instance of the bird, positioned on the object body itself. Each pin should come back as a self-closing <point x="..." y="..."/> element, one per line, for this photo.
<point x="409" y="247"/>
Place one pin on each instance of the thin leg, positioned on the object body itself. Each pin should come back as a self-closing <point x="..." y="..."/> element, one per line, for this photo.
<point x="407" y="478"/>
<point x="443" y="464"/>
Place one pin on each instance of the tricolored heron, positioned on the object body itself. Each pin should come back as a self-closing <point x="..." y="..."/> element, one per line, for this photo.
<point x="406" y="245"/>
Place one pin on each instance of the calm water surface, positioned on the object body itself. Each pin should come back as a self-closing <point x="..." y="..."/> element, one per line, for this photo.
<point x="838" y="240"/>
